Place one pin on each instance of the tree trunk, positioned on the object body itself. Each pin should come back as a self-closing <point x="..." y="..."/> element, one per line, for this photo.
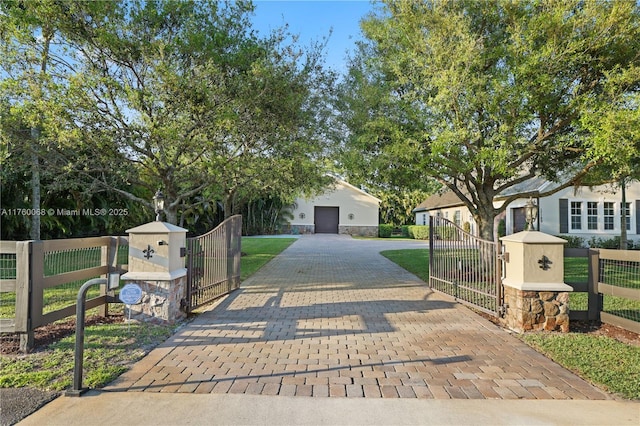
<point x="34" y="232"/>
<point x="228" y="203"/>
<point x="36" y="192"/>
<point x="171" y="215"/>
<point x="485" y="226"/>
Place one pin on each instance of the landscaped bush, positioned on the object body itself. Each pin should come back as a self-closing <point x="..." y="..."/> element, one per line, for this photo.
<point x="466" y="227"/>
<point x="405" y="231"/>
<point x="502" y="228"/>
<point x="418" y="232"/>
<point x="572" y="241"/>
<point x="445" y="232"/>
<point x="385" y="230"/>
<point x="611" y="243"/>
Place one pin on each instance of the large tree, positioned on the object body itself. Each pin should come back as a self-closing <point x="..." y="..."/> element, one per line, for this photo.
<point x="184" y="96"/>
<point x="614" y="129"/>
<point x="173" y="94"/>
<point x="35" y="40"/>
<point x="484" y="95"/>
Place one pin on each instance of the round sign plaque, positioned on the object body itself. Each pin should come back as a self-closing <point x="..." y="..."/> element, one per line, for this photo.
<point x="130" y="294"/>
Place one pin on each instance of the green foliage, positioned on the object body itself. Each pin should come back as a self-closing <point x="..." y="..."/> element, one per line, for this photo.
<point x="385" y="230"/>
<point x="600" y="359"/>
<point x="502" y="228"/>
<point x="485" y="97"/>
<point x="265" y="216"/>
<point x="181" y="95"/>
<point x="419" y="232"/>
<point x="445" y="232"/>
<point x="466" y="227"/>
<point x="397" y="205"/>
<point x="611" y="243"/>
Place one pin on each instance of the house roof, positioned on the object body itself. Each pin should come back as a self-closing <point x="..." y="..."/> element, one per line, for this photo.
<point x="450" y="199"/>
<point x="439" y="200"/>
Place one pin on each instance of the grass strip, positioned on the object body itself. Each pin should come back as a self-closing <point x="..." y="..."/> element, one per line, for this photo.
<point x="257" y="252"/>
<point x="415" y="261"/>
<point x="108" y="349"/>
<point x="602" y="360"/>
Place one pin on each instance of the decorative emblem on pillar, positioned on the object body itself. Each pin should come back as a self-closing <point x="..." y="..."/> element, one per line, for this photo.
<point x="545" y="263"/>
<point x="148" y="253"/>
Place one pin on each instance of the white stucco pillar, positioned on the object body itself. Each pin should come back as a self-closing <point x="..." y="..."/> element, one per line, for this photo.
<point x="535" y="295"/>
<point x="157" y="265"/>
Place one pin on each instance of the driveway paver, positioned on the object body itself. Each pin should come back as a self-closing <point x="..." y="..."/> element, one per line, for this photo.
<point x="331" y="317"/>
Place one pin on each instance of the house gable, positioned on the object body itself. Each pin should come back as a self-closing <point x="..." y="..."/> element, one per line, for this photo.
<point x="357" y="211"/>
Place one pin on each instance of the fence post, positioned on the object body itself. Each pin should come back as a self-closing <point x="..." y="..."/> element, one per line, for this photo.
<point x="23" y="287"/>
<point x="108" y="257"/>
<point x="36" y="296"/>
<point x="594" y="299"/>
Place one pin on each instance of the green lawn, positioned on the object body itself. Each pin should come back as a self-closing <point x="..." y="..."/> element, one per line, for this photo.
<point x="108" y="349"/>
<point x="604" y="361"/>
<point x="258" y="251"/>
<point x="415" y="261"/>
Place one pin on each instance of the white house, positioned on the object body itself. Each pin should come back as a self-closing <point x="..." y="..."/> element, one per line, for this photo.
<point x="341" y="209"/>
<point x="578" y="212"/>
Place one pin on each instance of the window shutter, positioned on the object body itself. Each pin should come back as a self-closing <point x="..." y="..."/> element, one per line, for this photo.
<point x="564" y="215"/>
<point x="637" y="217"/>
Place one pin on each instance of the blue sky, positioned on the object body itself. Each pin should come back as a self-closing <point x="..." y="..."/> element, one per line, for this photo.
<point x="313" y="20"/>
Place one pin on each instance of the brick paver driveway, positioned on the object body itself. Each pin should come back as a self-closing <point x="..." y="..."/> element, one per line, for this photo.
<point x="331" y="317"/>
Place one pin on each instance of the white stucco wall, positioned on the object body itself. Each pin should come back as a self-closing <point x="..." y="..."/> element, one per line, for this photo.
<point x="549" y="212"/>
<point x="357" y="208"/>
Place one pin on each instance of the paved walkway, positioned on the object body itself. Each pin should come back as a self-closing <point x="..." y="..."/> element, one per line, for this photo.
<point x="332" y="317"/>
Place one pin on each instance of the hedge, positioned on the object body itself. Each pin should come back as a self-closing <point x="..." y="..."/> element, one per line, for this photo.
<point x="384" y="230"/>
<point x="418" y="232"/>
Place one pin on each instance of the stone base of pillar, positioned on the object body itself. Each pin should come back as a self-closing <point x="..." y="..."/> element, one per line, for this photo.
<point x="529" y="310"/>
<point x="160" y="302"/>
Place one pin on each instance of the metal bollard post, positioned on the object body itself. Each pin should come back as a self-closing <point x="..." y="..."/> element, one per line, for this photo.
<point x="77" y="389"/>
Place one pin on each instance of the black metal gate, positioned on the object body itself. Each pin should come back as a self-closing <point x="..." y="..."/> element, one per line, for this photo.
<point x="213" y="263"/>
<point x="465" y="266"/>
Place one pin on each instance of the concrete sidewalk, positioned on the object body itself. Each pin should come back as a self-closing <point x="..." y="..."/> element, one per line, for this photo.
<point x="331" y="332"/>
<point x="106" y="408"/>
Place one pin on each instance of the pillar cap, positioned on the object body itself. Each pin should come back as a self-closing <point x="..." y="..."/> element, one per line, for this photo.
<point x="533" y="237"/>
<point x="156" y="228"/>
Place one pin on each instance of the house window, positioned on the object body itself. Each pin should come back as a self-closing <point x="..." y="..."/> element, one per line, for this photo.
<point x="627" y="212"/>
<point x="576" y="215"/>
<point x="592" y="215"/>
<point x="456" y="217"/>
<point x="424" y="219"/>
<point x="608" y="216"/>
